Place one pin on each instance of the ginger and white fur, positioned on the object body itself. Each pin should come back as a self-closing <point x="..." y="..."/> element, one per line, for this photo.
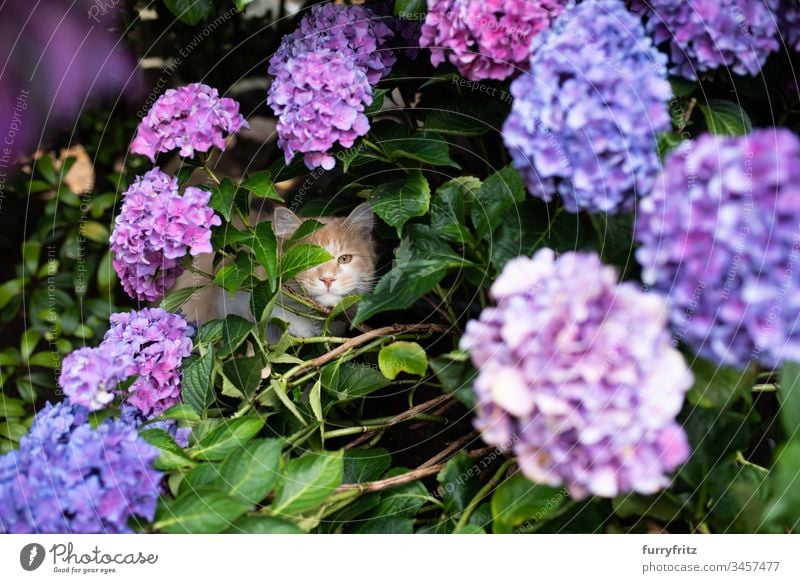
<point x="351" y="271"/>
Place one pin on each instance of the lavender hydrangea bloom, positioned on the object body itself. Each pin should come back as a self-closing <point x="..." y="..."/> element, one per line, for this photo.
<point x="90" y="377"/>
<point x="706" y="34"/>
<point x="70" y="478"/>
<point x="577" y="375"/>
<point x="192" y="118"/>
<point x="155" y="230"/>
<point x="489" y="39"/>
<point x="584" y="123"/>
<point x="319" y="98"/>
<point x="719" y="235"/>
<point x="354" y="31"/>
<point x="158" y="342"/>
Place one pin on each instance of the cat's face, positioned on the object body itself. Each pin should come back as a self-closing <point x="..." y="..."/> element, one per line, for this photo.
<point x="349" y="241"/>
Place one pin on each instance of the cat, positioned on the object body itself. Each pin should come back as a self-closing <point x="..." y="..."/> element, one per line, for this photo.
<point x="351" y="271"/>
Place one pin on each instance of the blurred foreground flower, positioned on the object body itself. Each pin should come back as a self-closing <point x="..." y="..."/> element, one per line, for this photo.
<point x="578" y="376"/>
<point x="720" y="236"/>
<point x="192" y="119"/>
<point x="68" y="477"/>
<point x="490" y="39"/>
<point x="155" y="229"/>
<point x="585" y="121"/>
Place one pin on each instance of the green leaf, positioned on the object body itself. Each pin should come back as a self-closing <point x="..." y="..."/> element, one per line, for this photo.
<point x="189" y="11"/>
<point x="398" y="201"/>
<point x="401" y="288"/>
<point x="782" y="513"/>
<point x="363" y="464"/>
<point x="404" y="500"/>
<point x="261" y="185"/>
<point x="202" y="476"/>
<point x="714" y="436"/>
<point x="306" y="229"/>
<point x="425" y="147"/>
<point x="244" y="373"/>
<point x="260" y="299"/>
<point x="172" y="456"/>
<point x="233" y="276"/>
<point x="265" y="247"/>
<point x="307" y="481"/>
<point x="13" y="430"/>
<point x="448" y="208"/>
<point x="174" y="301"/>
<point x="45" y="359"/>
<point x="410" y="9"/>
<point x="348" y="381"/>
<point x="498" y="193"/>
<point x="226" y="438"/>
<point x="181" y="412"/>
<point x="459" y="482"/>
<point x="789" y="397"/>
<point x="222" y="198"/>
<point x="251" y="472"/>
<point x="235" y="331"/>
<point x="718" y="387"/>
<point x="28" y="342"/>
<point x="199" y="512"/>
<point x="210" y="332"/>
<point x="682" y="87"/>
<point x="302" y="257"/>
<point x="726" y="118"/>
<point x="460" y="119"/>
<point x="400" y="357"/>
<point x="241" y="4"/>
<point x="10" y="290"/>
<point x="262" y="525"/>
<point x="106" y="274"/>
<point x="11" y="407"/>
<point x="196" y="388"/>
<point x="386" y="525"/>
<point x="661" y="506"/>
<point x="315" y="401"/>
<point x="517" y="501"/>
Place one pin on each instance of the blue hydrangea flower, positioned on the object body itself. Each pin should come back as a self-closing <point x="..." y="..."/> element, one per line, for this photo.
<point x="585" y="120"/>
<point x="68" y="477"/>
<point x="719" y="237"/>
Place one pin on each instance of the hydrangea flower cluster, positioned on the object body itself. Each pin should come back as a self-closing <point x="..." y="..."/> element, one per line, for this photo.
<point x="354" y="31"/>
<point x="323" y="75"/>
<point x="577" y="375"/>
<point x="489" y="39"/>
<point x="192" y="118"/>
<point x="68" y="477"/>
<point x="131" y="415"/>
<point x="702" y="36"/>
<point x="585" y="125"/>
<point x="155" y="230"/>
<point x="150" y="344"/>
<point x="319" y="98"/>
<point x="726" y="252"/>
<point x="789" y="23"/>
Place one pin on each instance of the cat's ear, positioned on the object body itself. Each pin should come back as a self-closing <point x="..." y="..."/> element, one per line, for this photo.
<point x="362" y="218"/>
<point x="285" y="222"/>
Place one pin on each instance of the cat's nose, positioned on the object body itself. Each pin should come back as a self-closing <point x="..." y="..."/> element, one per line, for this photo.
<point x="328" y="281"/>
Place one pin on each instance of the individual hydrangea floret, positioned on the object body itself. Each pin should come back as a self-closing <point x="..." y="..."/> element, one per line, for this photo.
<point x="490" y="39"/>
<point x="585" y="124"/>
<point x="719" y="237"/>
<point x="354" y="31"/>
<point x="703" y="36"/>
<point x="192" y="118"/>
<point x="319" y="99"/>
<point x="158" y="342"/>
<point x="154" y="231"/>
<point x="578" y="376"/>
<point x="70" y="478"/>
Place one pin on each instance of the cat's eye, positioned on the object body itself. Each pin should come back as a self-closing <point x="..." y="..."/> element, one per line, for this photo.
<point x="345" y="259"/>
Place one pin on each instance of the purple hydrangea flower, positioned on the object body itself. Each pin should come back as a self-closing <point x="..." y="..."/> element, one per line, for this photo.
<point x="578" y="376"/>
<point x="150" y="344"/>
<point x="131" y="415"/>
<point x="319" y="98"/>
<point x="584" y="122"/>
<point x="354" y="31"/>
<point x="192" y="118"/>
<point x="789" y="23"/>
<point x="707" y="34"/>
<point x="68" y="477"/>
<point x="489" y="39"/>
<point x="158" y="341"/>
<point x="155" y="230"/>
<point x="720" y="237"/>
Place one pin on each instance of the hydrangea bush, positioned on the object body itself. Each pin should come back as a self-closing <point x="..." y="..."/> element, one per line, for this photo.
<point x="582" y="317"/>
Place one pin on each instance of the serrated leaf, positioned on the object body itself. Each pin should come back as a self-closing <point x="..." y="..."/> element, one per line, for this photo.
<point x="363" y="464"/>
<point x="517" y="500"/>
<point x="172" y="456"/>
<point x="235" y="331"/>
<point x="422" y="146"/>
<point x="222" y="198"/>
<point x="226" y="438"/>
<point x="181" y="412"/>
<point x="348" y="381"/>
<point x="199" y="512"/>
<point x="726" y="118"/>
<point x="251" y="472"/>
<point x="302" y="257"/>
<point x="398" y="201"/>
<point x="265" y="247"/>
<point x="261" y="185"/>
<point x="196" y="388"/>
<point x="458" y="482"/>
<point x="307" y="481"/>
<point x="174" y="301"/>
<point x="244" y="373"/>
<point x="498" y="193"/>
<point x="400" y="357"/>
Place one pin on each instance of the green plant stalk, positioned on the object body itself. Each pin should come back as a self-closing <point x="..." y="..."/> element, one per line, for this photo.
<point x="482" y="493"/>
